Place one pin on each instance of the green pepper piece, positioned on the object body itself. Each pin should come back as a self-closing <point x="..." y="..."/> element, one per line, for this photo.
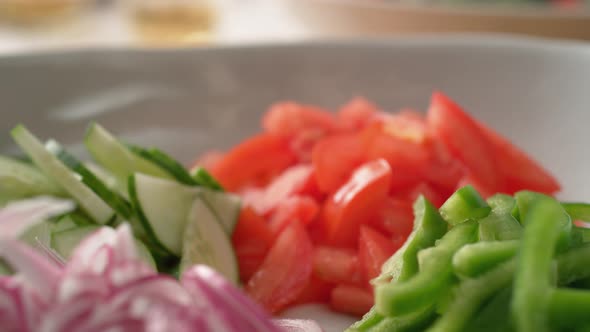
<point x="465" y="204"/>
<point x="544" y="221"/>
<point x="428" y="227"/>
<point x="573" y="265"/>
<point x="425" y="288"/>
<point x="525" y="200"/>
<point x="569" y="308"/>
<point x="500" y="225"/>
<point x="414" y="322"/>
<point x="471" y="294"/>
<point x="577" y="211"/>
<point x="495" y="315"/>
<point x="474" y="259"/>
<point x="501" y="203"/>
<point x="369" y="320"/>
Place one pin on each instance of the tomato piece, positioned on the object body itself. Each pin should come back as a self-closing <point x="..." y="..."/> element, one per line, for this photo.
<point x="394" y="217"/>
<point x="336" y="265"/>
<point x="351" y="300"/>
<point x="293" y="181"/>
<point x="374" y="250"/>
<point x="463" y="138"/>
<point x="316" y="291"/>
<point x="355" y="201"/>
<point x="423" y="188"/>
<point x="251" y="240"/>
<point x="289" y="118"/>
<point x="357" y="113"/>
<point x="334" y="158"/>
<point x="254" y="161"/>
<point x="443" y="171"/>
<point x="299" y="209"/>
<point x="285" y="271"/>
<point x="403" y="150"/>
<point x="519" y="169"/>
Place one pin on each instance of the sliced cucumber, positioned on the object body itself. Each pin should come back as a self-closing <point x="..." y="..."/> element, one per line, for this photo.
<point x="68" y="221"/>
<point x="66" y="241"/>
<point x="164" y="161"/>
<point x="113" y="199"/>
<point x="114" y="156"/>
<point x="206" y="242"/>
<point x="203" y="178"/>
<point x="144" y="254"/>
<point x="69" y="181"/>
<point x="40" y="232"/>
<point x="108" y="179"/>
<point x="19" y="180"/>
<point x="162" y="206"/>
<point x="225" y="206"/>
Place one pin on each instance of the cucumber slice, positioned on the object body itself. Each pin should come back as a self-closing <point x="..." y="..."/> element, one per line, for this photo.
<point x="120" y="205"/>
<point x="114" y="156"/>
<point x="165" y="162"/>
<point x="19" y="180"/>
<point x="66" y="241"/>
<point x="91" y="203"/>
<point x="203" y="178"/>
<point x="162" y="206"/>
<point x="69" y="221"/>
<point x="108" y="179"/>
<point x="206" y="242"/>
<point x="225" y="206"/>
<point x="40" y="232"/>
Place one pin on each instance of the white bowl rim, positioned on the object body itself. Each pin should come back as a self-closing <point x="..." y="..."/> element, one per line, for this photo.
<point x="427" y="40"/>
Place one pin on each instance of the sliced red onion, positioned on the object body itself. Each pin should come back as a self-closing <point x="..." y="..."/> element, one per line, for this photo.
<point x="17" y="217"/>
<point x="106" y="287"/>
<point x="39" y="272"/>
<point x="297" y="325"/>
<point x="227" y="297"/>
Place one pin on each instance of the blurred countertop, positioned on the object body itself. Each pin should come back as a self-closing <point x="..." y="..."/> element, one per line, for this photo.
<point x="241" y="21"/>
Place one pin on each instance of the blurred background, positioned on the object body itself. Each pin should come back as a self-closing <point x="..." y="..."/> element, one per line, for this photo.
<point x="27" y="25"/>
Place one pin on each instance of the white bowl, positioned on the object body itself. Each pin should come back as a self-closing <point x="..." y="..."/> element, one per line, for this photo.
<point x="188" y="101"/>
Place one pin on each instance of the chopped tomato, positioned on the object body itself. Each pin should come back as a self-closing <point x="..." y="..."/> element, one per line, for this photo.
<point x="374" y="250"/>
<point x="316" y="291"/>
<point x="285" y="272"/>
<point x="394" y="217"/>
<point x="301" y="209"/>
<point x="357" y="113"/>
<point x="254" y="161"/>
<point x="292" y="181"/>
<point x="480" y="187"/>
<point x="423" y="188"/>
<point x="355" y="201"/>
<point x="251" y="240"/>
<point x="521" y="172"/>
<point x="334" y="158"/>
<point x="405" y="150"/>
<point x="462" y="136"/>
<point x="336" y="265"/>
<point x="328" y="197"/>
<point x="351" y="299"/>
<point x="289" y="118"/>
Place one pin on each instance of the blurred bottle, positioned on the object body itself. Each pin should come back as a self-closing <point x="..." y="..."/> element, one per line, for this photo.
<point x="169" y="22"/>
<point x="35" y="12"/>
